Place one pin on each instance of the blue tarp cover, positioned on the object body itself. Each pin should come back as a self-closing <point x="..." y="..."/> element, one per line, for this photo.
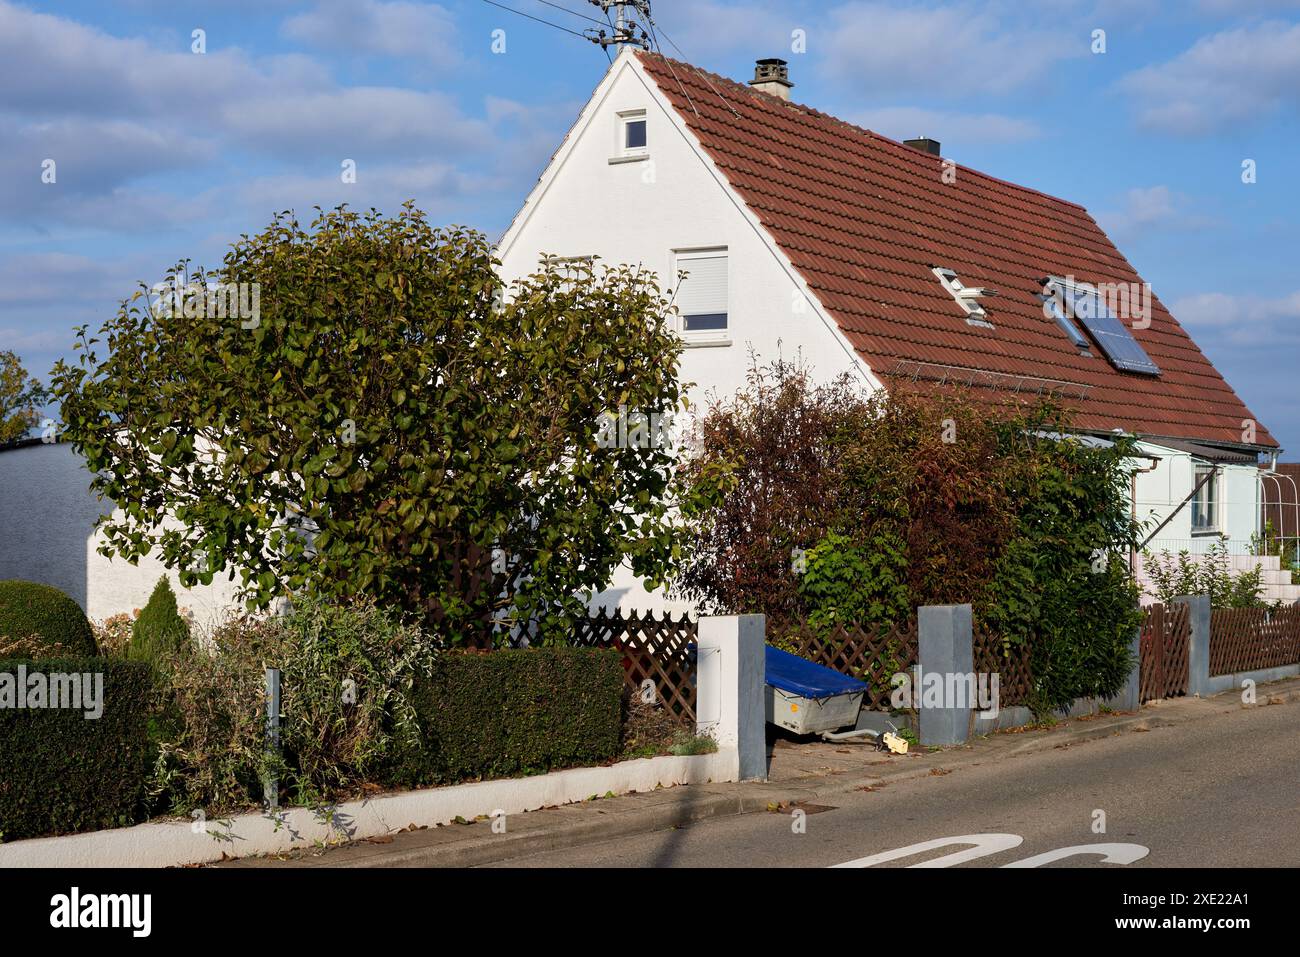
<point x="795" y="675"/>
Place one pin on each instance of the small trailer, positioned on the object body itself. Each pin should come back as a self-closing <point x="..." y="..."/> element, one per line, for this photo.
<point x="807" y="698"/>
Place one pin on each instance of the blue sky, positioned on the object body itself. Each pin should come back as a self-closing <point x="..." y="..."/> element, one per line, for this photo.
<point x="163" y="153"/>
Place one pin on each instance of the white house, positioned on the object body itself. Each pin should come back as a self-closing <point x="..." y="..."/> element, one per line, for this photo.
<point x="803" y="233"/>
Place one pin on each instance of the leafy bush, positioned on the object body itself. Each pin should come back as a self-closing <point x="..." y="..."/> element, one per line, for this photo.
<point x="847" y="583"/>
<point x="1209" y="574"/>
<point x="160" y="630"/>
<point x="113" y="635"/>
<point x="346" y="677"/>
<point x="820" y="503"/>
<point x="39" y="620"/>
<point x="61" y="771"/>
<point x="515" y="712"/>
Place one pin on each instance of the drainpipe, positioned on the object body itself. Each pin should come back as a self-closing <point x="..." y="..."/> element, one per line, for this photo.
<point x="1155" y="464"/>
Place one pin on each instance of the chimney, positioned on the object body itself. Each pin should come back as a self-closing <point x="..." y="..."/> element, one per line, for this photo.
<point x="772" y="76"/>
<point x="924" y="144"/>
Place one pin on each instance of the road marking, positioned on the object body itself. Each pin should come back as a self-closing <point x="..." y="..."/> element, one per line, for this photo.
<point x="1110" y="854"/>
<point x="987" y="844"/>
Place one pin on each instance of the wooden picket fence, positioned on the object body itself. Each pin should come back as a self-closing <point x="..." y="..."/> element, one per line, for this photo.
<point x="1248" y="639"/>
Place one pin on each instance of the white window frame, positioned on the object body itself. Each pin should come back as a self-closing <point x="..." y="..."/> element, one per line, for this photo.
<point x="701" y="338"/>
<point x="1208" y="495"/>
<point x="630" y="154"/>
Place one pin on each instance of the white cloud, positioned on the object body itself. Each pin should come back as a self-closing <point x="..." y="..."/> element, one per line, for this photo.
<point x="1223" y="310"/>
<point x="378" y="120"/>
<point x="1148" y="209"/>
<point x="398" y="29"/>
<point x="956" y="49"/>
<point x="907" y="122"/>
<point x="1224" y="80"/>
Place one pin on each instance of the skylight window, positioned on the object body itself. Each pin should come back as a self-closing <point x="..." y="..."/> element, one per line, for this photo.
<point x="1071" y="302"/>
<point x="967" y="296"/>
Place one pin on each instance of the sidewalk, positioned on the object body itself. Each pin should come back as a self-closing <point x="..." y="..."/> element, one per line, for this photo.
<point x="799" y="773"/>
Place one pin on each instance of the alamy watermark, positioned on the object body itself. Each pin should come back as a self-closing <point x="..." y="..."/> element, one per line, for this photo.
<point x="936" y="689"/>
<point x="227" y="300"/>
<point x="1127" y="301"/>
<point x="637" y="430"/>
<point x="84" y="691"/>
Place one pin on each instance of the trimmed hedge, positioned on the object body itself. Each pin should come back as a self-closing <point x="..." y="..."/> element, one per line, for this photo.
<point x="31" y="609"/>
<point x="62" y="772"/>
<point x="515" y="712"/>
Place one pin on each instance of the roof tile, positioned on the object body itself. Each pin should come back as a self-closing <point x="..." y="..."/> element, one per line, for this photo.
<point x="864" y="218"/>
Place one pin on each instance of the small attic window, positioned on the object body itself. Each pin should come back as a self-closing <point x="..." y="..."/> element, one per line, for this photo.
<point x="633" y="136"/>
<point x="967" y="296"/>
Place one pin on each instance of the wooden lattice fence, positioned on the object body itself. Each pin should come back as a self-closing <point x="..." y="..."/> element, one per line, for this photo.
<point x="1247" y="639"/>
<point x="872" y="655"/>
<point x="1165" y="650"/>
<point x="655" y="649"/>
<point x="1010" y="662"/>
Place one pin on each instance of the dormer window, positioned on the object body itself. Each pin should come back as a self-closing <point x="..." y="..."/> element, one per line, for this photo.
<point x="968" y="297"/>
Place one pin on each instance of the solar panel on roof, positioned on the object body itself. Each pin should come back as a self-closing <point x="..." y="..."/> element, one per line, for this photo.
<point x="1112" y="336"/>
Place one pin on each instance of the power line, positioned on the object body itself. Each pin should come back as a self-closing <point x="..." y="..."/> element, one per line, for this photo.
<point x="571" y="12"/>
<point x="704" y="76"/>
<point x="537" y="19"/>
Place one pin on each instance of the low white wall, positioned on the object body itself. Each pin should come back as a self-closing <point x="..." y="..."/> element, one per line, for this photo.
<point x="169" y="843"/>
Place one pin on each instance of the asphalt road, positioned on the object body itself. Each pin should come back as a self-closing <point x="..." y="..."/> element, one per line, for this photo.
<point x="1223" y="792"/>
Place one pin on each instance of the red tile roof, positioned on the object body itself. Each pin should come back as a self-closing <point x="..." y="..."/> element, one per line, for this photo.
<point x="864" y="218"/>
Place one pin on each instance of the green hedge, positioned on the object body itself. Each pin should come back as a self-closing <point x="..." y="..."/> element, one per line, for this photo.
<point x="30" y="609"/>
<point x="61" y="771"/>
<point x="515" y="712"/>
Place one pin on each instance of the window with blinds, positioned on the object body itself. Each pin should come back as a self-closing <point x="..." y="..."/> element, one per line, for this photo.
<point x="702" y="292"/>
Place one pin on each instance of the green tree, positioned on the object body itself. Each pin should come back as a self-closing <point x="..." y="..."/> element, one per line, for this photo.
<point x="390" y="423"/>
<point x="21" y="398"/>
<point x="160" y="630"/>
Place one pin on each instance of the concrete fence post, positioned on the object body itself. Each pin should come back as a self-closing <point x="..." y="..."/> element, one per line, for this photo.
<point x="1129" y="697"/>
<point x="1198" y="652"/>
<point x="947" y="655"/>
<point x="731" y="671"/>
<point x="271" y="783"/>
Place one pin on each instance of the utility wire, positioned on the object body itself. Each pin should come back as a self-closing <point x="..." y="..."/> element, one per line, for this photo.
<point x="538" y="19"/>
<point x="702" y="74"/>
<point x="572" y="12"/>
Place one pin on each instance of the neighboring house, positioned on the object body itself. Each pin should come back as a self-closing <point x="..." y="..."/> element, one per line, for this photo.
<point x="802" y="233"/>
<point x="47" y="521"/>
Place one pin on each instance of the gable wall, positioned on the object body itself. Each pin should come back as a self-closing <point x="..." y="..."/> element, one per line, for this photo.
<point x="638" y="213"/>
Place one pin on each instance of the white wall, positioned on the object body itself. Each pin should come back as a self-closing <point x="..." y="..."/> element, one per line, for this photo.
<point x="47" y="514"/>
<point x="1161" y="491"/>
